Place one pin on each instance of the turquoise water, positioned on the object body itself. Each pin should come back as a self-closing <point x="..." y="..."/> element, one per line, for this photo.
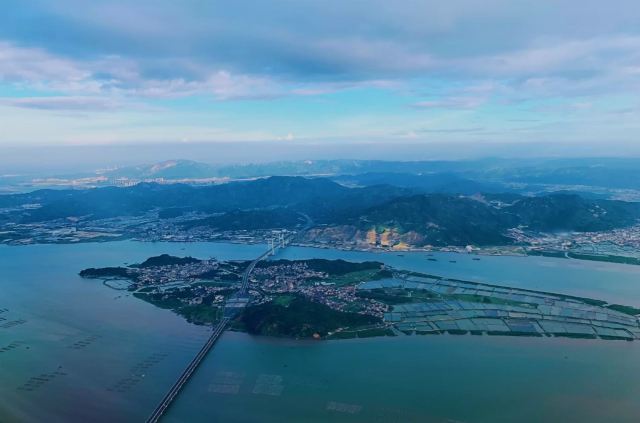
<point x="616" y="283"/>
<point x="415" y="379"/>
<point x="62" y="312"/>
<point x="101" y="355"/>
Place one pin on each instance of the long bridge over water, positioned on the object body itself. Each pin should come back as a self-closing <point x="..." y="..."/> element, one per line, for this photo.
<point x="232" y="307"/>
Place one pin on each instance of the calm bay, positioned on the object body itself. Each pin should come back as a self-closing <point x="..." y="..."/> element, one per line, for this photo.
<point x="85" y="352"/>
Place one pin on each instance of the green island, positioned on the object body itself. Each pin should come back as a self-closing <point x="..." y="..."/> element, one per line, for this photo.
<point x="338" y="299"/>
<point x="166" y="260"/>
<point x="108" y="272"/>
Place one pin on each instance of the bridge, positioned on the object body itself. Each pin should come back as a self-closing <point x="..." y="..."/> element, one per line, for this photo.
<point x="281" y="243"/>
<point x="232" y="307"/>
<point x="186" y="374"/>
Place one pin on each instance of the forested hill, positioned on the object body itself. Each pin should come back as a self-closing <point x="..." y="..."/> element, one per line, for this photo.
<point x="318" y="196"/>
<point x="281" y="201"/>
<point x="456" y="220"/>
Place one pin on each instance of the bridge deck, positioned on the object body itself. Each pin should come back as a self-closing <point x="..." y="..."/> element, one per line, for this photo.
<point x="186" y="374"/>
<point x="217" y="331"/>
<point x="215" y="334"/>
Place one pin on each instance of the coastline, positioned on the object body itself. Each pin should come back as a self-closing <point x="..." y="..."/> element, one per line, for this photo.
<point x="490" y="251"/>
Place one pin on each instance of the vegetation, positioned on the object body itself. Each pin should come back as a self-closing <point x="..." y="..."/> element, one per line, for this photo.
<point x="572" y="212"/>
<point x="384" y="296"/>
<point x="341" y="267"/>
<point x="615" y="338"/>
<point x="489" y="300"/>
<point x="441" y="219"/>
<point x="605" y="257"/>
<point x="633" y="311"/>
<point x="109" y="272"/>
<point x="609" y="258"/>
<point x="547" y="253"/>
<point x="250" y="220"/>
<point x="343" y="334"/>
<point x="331" y="267"/>
<point x="362" y="333"/>
<point x="340" y="272"/>
<point x="284" y="300"/>
<point x="436" y="219"/>
<point x="230" y="272"/>
<point x="199" y="314"/>
<point x="172" y="212"/>
<point x="590" y="301"/>
<point x="300" y="318"/>
<point x="575" y="335"/>
<point x="392" y="296"/>
<point x="515" y="333"/>
<point x="160" y="300"/>
<point x="353" y="278"/>
<point x="369" y="333"/>
<point x="166" y="260"/>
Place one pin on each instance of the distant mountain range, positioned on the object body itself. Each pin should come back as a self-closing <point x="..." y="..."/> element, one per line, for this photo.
<point x="321" y="197"/>
<point x="170" y="169"/>
<point x="188" y="169"/>
<point x="344" y="213"/>
<point x="494" y="173"/>
<point x="594" y="178"/>
<point x="443" y="182"/>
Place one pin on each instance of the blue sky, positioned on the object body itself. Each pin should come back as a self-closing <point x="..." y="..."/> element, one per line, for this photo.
<point x="115" y="72"/>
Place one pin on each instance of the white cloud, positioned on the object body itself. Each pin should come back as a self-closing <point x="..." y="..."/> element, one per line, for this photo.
<point x="594" y="55"/>
<point x="451" y="103"/>
<point x="36" y="66"/>
<point x="226" y="86"/>
<point x="569" y="67"/>
<point x="62" y="103"/>
<point x="113" y="76"/>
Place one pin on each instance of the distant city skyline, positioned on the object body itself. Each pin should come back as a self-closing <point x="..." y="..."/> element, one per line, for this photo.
<point x="330" y="73"/>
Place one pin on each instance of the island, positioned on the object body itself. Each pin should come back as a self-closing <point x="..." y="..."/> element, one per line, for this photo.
<point x="338" y="299"/>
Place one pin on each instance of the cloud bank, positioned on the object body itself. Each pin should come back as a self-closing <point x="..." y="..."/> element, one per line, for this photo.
<point x="334" y="68"/>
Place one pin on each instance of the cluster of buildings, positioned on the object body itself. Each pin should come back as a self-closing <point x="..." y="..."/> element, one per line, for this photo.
<point x="144" y="227"/>
<point x="283" y="278"/>
<point x="183" y="282"/>
<point x="268" y="280"/>
<point x="344" y="298"/>
<point x="614" y="241"/>
<point x="161" y="275"/>
<point x="60" y="231"/>
<point x="297" y="278"/>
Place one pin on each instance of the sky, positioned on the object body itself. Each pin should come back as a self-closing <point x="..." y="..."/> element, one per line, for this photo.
<point x="328" y="72"/>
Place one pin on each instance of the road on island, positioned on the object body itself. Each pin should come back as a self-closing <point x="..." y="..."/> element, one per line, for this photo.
<point x="217" y="330"/>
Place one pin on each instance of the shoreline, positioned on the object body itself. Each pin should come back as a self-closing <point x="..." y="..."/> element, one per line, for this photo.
<point x="531" y="316"/>
<point x="489" y="252"/>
